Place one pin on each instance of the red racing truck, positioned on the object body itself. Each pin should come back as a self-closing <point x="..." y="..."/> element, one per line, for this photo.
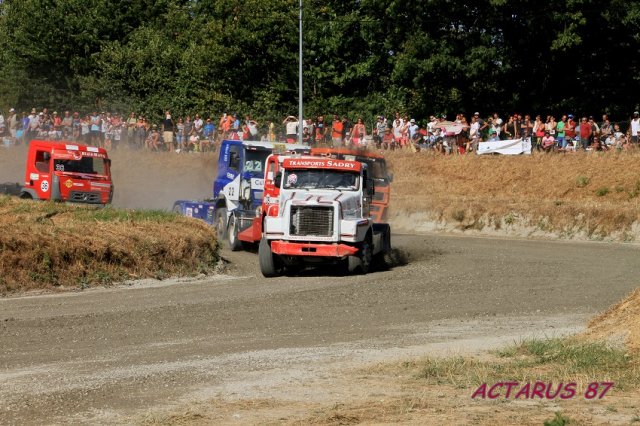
<point x="65" y="171"/>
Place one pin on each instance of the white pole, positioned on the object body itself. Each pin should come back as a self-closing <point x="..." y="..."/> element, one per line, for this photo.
<point x="300" y="108"/>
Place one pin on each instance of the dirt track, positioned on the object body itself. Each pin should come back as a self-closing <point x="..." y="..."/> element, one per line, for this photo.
<point x="127" y="354"/>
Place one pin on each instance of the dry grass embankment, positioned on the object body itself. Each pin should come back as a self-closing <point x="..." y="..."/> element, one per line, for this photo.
<point x="622" y="320"/>
<point x="582" y="195"/>
<point x="47" y="245"/>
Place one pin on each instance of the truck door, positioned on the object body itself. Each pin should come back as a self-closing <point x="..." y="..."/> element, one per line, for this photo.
<point x="234" y="163"/>
<point x="40" y="176"/>
<point x="271" y="191"/>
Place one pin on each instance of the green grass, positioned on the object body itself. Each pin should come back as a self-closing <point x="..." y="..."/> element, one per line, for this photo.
<point x="582" y="181"/>
<point x="601" y="192"/>
<point x="549" y="360"/>
<point x="635" y="191"/>
<point x="89" y="213"/>
<point x="558" y="420"/>
<point x="108" y="214"/>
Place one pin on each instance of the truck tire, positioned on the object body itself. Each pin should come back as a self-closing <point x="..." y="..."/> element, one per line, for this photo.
<point x="362" y="262"/>
<point x="221" y="224"/>
<point x="382" y="260"/>
<point x="268" y="261"/>
<point x="177" y="209"/>
<point x="234" y="243"/>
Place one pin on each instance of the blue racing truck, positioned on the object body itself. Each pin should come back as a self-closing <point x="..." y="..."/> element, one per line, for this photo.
<point x="237" y="189"/>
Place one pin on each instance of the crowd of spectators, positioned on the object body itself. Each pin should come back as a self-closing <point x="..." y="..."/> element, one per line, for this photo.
<point x="568" y="134"/>
<point x="187" y="134"/>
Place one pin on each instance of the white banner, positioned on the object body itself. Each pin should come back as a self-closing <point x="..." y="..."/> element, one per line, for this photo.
<point x="508" y="147"/>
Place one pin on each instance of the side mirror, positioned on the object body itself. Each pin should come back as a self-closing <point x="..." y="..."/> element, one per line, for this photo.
<point x="46" y="156"/>
<point x="390" y="177"/>
<point x="278" y="180"/>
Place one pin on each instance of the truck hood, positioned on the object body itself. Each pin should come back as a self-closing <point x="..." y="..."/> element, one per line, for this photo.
<point x="348" y="201"/>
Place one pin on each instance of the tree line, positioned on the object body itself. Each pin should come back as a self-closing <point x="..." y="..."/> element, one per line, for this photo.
<point x="361" y="58"/>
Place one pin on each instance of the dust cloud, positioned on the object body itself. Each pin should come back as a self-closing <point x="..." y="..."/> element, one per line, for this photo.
<point x="142" y="179"/>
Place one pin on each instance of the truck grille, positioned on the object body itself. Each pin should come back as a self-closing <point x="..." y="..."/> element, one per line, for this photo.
<point x="84" y="197"/>
<point x="315" y="221"/>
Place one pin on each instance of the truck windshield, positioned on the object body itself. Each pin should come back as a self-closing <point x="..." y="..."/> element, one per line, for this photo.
<point x="254" y="160"/>
<point x="320" y="179"/>
<point x="86" y="165"/>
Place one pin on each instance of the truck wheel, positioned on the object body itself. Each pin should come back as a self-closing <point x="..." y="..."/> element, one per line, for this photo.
<point x="268" y="261"/>
<point x="362" y="262"/>
<point x="234" y="243"/>
<point x="177" y="209"/>
<point x="381" y="260"/>
<point x="221" y="224"/>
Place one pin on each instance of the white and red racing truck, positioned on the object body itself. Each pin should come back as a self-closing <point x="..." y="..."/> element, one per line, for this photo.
<point x="321" y="215"/>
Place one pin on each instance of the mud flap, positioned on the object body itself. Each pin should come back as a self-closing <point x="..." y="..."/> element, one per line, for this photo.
<point x="381" y="238"/>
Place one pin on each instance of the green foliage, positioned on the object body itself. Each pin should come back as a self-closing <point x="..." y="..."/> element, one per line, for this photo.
<point x="582" y="181"/>
<point x="361" y="58"/>
<point x="558" y="420"/>
<point x="601" y="192"/>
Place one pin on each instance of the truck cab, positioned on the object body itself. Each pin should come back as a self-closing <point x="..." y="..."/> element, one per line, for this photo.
<point x="321" y="213"/>
<point x="65" y="171"/>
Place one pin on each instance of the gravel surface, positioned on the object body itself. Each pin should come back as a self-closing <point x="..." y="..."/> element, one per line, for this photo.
<point x="116" y="355"/>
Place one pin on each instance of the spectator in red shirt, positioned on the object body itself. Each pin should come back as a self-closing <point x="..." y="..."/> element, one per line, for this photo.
<point x="585" y="133"/>
<point x="570" y="128"/>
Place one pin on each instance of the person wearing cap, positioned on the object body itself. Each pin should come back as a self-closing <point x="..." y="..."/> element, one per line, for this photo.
<point x="153" y="140"/>
<point x="634" y="127"/>
<point x="413" y="128"/>
<point x="34" y="125"/>
<point x="56" y="125"/>
<point x="208" y="131"/>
